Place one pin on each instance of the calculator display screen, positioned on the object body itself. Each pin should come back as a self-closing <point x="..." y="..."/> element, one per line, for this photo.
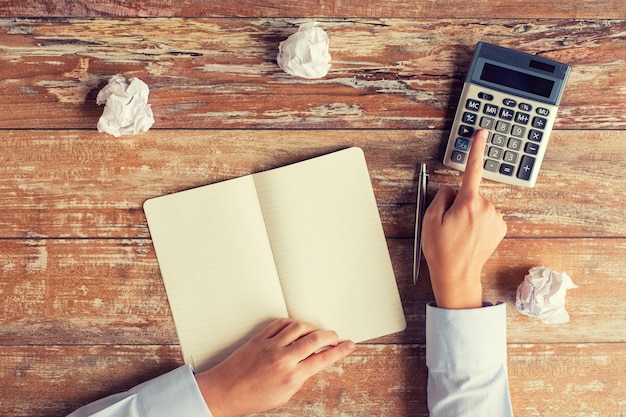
<point x="517" y="80"/>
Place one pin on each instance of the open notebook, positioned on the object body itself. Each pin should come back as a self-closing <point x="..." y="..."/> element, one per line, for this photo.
<point x="302" y="241"/>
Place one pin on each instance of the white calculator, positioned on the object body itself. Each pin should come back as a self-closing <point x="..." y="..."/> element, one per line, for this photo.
<point x="515" y="96"/>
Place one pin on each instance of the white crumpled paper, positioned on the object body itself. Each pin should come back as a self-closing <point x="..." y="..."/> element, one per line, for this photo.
<point x="127" y="111"/>
<point x="305" y="53"/>
<point x="542" y="295"/>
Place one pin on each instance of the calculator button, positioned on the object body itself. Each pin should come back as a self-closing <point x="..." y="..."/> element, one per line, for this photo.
<point x="509" y="102"/>
<point x="485" y="96"/>
<point x="506" y="114"/>
<point x="462" y="144"/>
<point x="542" y="111"/>
<point x="487" y="122"/>
<point x="539" y="122"/>
<point x="525" y="107"/>
<point x="510" y="157"/>
<point x="491" y="165"/>
<point x="469" y="118"/>
<point x="522" y="118"/>
<point x="535" y="135"/>
<point x="502" y="127"/>
<point x="490" y="109"/>
<point x="514" y="144"/>
<point x="525" y="167"/>
<point x="466" y="131"/>
<point x="458" y="157"/>
<point x="531" y="148"/>
<point x="506" y="169"/>
<point x="498" y="139"/>
<point x="518" y="131"/>
<point x="472" y="104"/>
<point x="495" y="152"/>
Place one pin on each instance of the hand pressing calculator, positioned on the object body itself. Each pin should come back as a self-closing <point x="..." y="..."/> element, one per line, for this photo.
<point x="515" y="96"/>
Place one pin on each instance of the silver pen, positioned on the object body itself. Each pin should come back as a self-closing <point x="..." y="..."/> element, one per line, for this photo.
<point x="422" y="189"/>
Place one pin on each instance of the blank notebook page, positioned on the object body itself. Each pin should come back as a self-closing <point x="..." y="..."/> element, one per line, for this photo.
<point x="329" y="246"/>
<point x="217" y="266"/>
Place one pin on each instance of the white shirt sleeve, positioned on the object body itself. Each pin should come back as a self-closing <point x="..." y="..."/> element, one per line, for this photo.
<point x="466" y="359"/>
<point x="173" y="394"/>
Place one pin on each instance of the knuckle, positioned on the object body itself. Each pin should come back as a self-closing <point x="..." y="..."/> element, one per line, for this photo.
<point x="283" y="321"/>
<point x="315" y="338"/>
<point x="298" y="327"/>
<point x="277" y="360"/>
<point x="291" y="380"/>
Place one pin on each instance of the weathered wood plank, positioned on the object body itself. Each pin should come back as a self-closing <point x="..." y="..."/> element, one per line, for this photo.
<point x="82" y="292"/>
<point x="221" y="73"/>
<point x="318" y="8"/>
<point x="85" y="184"/>
<point x="82" y="305"/>
<point x="110" y="291"/>
<point x="381" y="380"/>
<point x="577" y="380"/>
<point x="45" y="381"/>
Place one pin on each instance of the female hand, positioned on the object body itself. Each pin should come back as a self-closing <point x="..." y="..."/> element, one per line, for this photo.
<point x="460" y="232"/>
<point x="270" y="368"/>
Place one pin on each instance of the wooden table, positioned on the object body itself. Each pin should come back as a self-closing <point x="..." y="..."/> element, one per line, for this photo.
<point x="83" y="309"/>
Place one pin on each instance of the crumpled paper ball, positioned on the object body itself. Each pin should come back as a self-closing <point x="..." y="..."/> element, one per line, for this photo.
<point x="542" y="295"/>
<point x="305" y="53"/>
<point x="126" y="111"/>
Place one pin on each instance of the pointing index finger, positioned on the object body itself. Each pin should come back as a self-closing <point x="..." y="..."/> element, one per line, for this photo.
<point x="474" y="166"/>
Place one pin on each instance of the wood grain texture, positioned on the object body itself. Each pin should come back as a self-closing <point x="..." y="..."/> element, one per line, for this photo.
<point x="376" y="380"/>
<point x="222" y="73"/>
<point x="85" y="184"/>
<point x="317" y="8"/>
<point x="110" y="291"/>
<point x="83" y="311"/>
<point x="52" y="381"/>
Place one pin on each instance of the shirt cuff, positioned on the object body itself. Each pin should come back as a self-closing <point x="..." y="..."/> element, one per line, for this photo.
<point x="465" y="339"/>
<point x="173" y="394"/>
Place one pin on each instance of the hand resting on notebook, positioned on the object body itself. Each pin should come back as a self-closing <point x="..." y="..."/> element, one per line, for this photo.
<point x="270" y="368"/>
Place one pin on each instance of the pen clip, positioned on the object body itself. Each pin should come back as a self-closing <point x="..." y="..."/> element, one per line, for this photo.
<point x="422" y="189"/>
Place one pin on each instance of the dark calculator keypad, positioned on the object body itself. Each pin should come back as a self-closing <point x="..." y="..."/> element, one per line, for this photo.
<point x="506" y="114"/>
<point x="515" y="134"/>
